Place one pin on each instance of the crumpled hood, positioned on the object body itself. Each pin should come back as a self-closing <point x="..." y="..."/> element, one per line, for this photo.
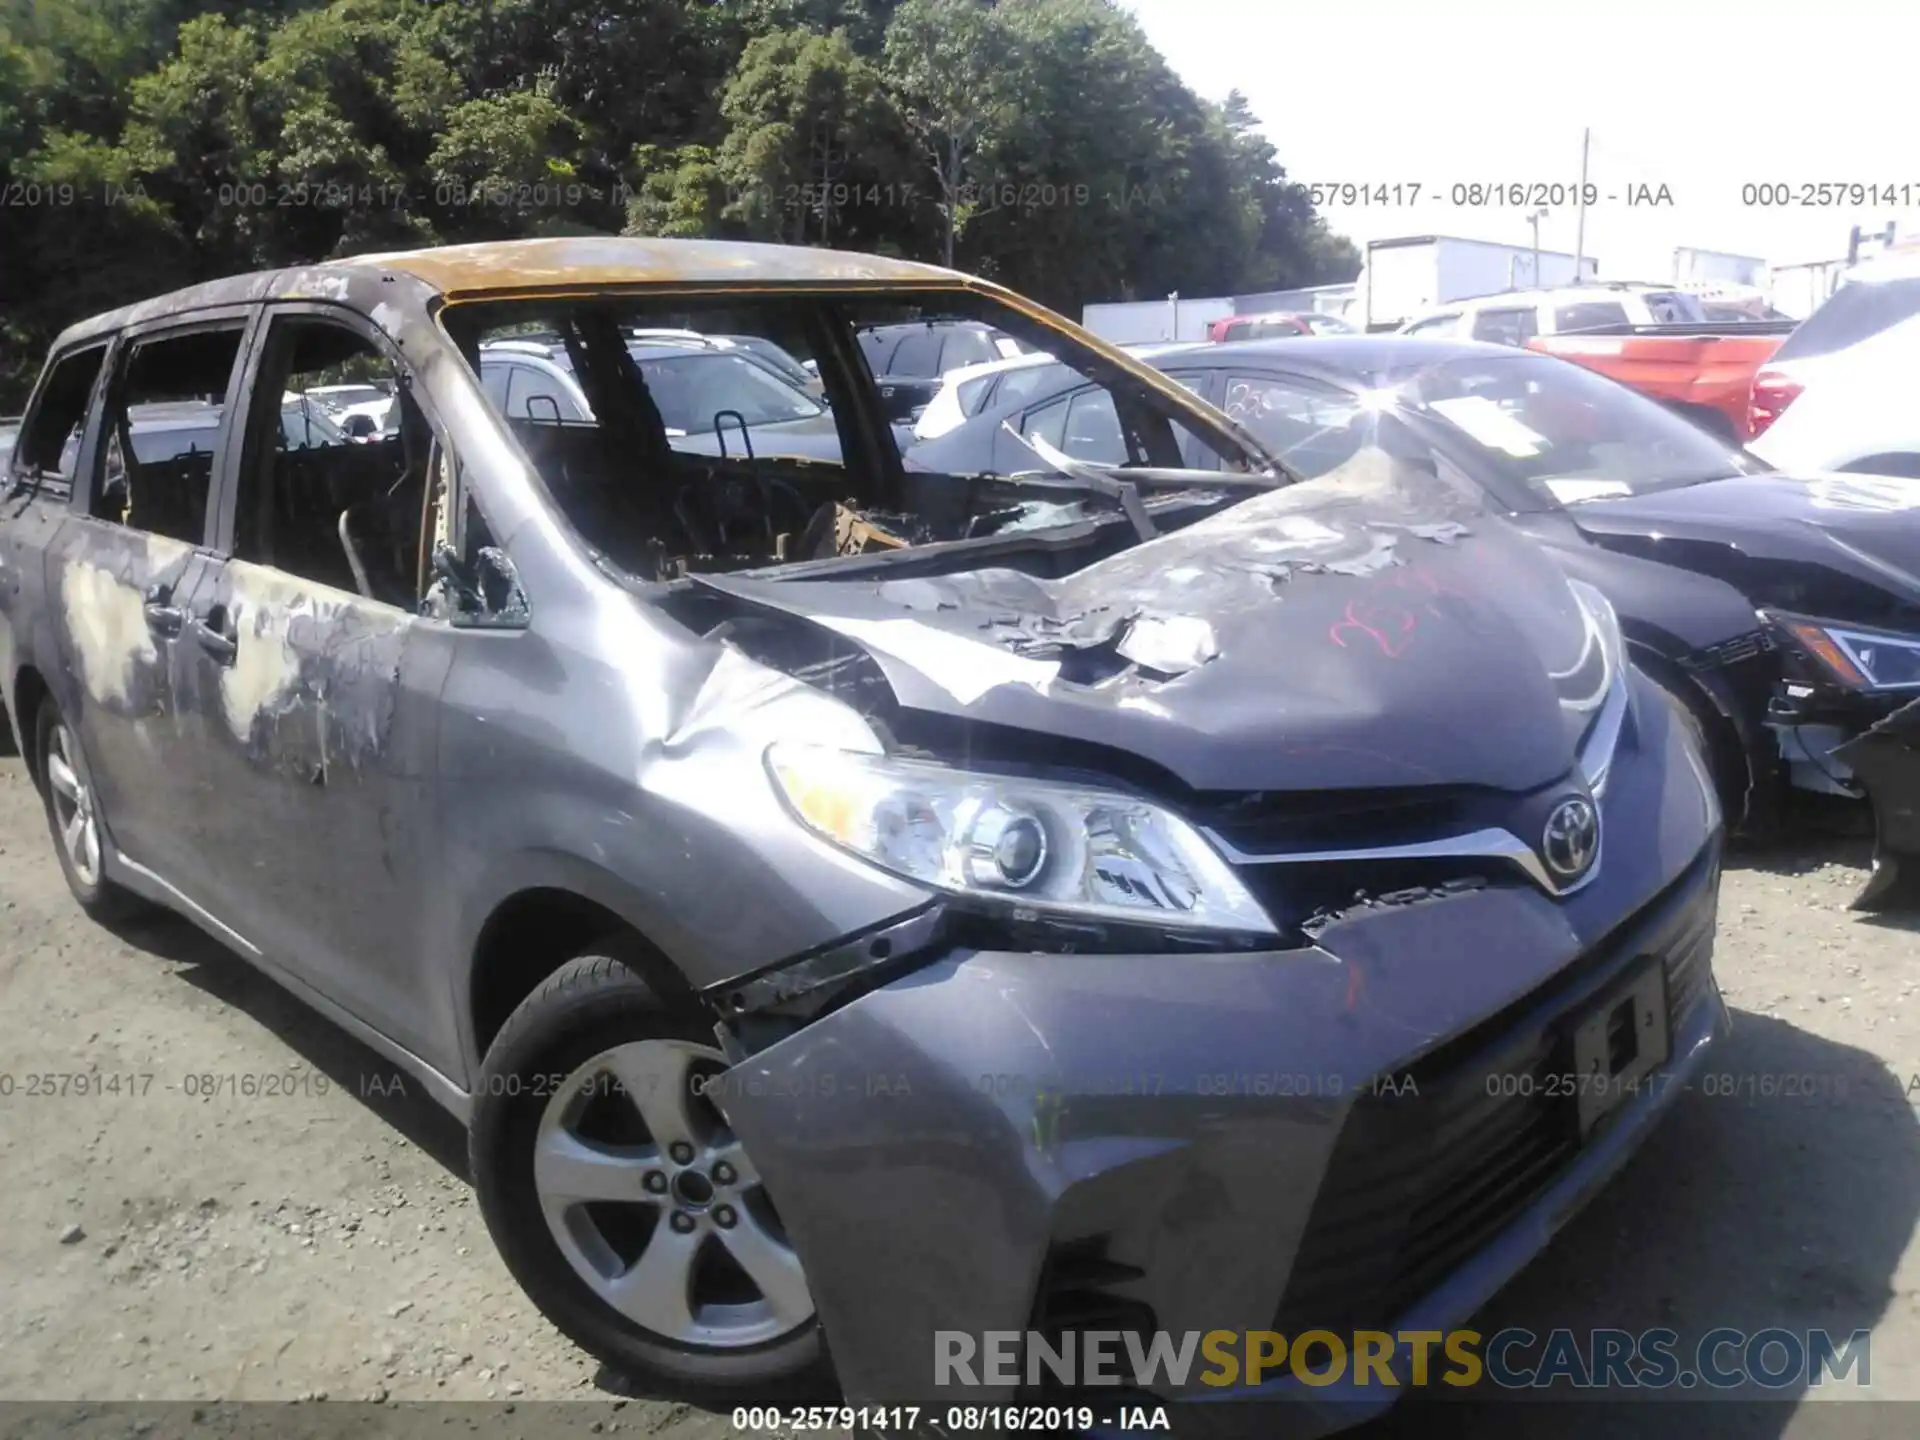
<point x="1370" y="628"/>
<point x="1864" y="529"/>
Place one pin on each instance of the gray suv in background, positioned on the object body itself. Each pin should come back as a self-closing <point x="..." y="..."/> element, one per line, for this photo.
<point x="847" y="904"/>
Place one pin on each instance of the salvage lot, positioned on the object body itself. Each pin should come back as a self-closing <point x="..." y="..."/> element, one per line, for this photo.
<point x="323" y="1240"/>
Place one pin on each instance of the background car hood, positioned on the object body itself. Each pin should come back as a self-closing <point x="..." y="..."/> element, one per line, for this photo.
<point x="1351" y="632"/>
<point x="1862" y="529"/>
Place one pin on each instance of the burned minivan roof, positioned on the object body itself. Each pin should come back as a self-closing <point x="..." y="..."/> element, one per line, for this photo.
<point x="509" y="267"/>
<point x="504" y="266"/>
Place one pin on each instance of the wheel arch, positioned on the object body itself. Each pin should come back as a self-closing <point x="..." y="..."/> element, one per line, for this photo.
<point x="30" y="692"/>
<point x="551" y="907"/>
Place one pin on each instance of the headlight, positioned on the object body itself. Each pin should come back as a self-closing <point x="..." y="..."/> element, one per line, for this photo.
<point x="1032" y="844"/>
<point x="1860" y="659"/>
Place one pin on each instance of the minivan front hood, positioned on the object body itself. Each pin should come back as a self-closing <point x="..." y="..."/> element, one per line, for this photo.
<point x="1362" y="630"/>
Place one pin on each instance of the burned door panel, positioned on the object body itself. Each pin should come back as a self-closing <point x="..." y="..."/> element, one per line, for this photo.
<point x="314" y="719"/>
<point x="119" y="597"/>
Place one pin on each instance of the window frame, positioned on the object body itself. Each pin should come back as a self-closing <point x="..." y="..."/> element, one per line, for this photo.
<point x="90" y="466"/>
<point x="16" y="471"/>
<point x="440" y="451"/>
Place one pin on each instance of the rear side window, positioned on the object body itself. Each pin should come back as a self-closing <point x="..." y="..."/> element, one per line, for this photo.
<point x="1436" y="326"/>
<point x="1856" y="311"/>
<point x="1238" y="330"/>
<point x="972" y="394"/>
<point x="163" y="432"/>
<point x="1673" y="307"/>
<point x="967" y="347"/>
<point x="1588" y="315"/>
<point x="1507" y="327"/>
<point x="50" y="444"/>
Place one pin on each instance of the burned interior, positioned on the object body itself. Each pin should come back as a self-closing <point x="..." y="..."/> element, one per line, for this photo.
<point x="714" y="432"/>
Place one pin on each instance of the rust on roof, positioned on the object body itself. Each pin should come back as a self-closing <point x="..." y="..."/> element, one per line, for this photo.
<point x="504" y="266"/>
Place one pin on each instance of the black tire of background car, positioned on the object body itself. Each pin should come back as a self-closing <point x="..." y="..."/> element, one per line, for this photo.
<point x="104" y="901"/>
<point x="589" y="1005"/>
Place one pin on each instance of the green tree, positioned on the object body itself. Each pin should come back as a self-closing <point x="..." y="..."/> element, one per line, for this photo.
<point x="808" y="156"/>
<point x="950" y="64"/>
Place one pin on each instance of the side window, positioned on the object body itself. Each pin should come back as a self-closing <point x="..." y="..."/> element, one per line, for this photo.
<point x="1028" y="381"/>
<point x="967" y="347"/>
<point x="1048" y="422"/>
<point x="1507" y="327"/>
<point x="1439" y="325"/>
<point x="1238" y="330"/>
<point x="1588" y="315"/>
<point x="493" y="380"/>
<point x="163" y="430"/>
<point x="970" y="395"/>
<point x="1310" y="427"/>
<point x="50" y="443"/>
<point x="918" y="355"/>
<point x="536" y="395"/>
<point x="337" y="510"/>
<point x="1093" y="429"/>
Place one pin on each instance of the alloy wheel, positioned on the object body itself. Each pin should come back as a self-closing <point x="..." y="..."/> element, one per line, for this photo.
<point x="75" y="819"/>
<point x="655" y="1204"/>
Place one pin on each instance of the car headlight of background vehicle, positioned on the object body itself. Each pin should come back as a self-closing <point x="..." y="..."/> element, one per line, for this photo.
<point x="1859" y="659"/>
<point x="1064" y="849"/>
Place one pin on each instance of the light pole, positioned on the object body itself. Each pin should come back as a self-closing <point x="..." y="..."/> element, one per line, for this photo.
<point x="1534" y="217"/>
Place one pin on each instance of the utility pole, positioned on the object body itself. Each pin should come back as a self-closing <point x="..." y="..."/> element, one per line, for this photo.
<point x="1534" y="217"/>
<point x="1580" y="220"/>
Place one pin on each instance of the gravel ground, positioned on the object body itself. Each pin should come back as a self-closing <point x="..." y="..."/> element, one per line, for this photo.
<point x="190" y="1239"/>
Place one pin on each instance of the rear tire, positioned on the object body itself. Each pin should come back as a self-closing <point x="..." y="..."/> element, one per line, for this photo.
<point x="620" y="1199"/>
<point x="74" y="822"/>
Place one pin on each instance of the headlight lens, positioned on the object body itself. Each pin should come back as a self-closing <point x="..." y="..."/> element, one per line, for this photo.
<point x="1861" y="659"/>
<point x="1603" y="633"/>
<point x="1032" y="844"/>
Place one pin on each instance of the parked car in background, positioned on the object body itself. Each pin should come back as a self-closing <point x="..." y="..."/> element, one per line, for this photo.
<point x="713" y="399"/>
<point x="1276" y="323"/>
<point x="1783" y="611"/>
<point x="1839" y="393"/>
<point x="909" y="358"/>
<point x="700" y="832"/>
<point x="1658" y="340"/>
<point x="1517" y="316"/>
<point x="1703" y="373"/>
<point x="972" y="388"/>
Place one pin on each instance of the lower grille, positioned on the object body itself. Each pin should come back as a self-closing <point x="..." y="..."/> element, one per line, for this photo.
<point x="1427" y="1173"/>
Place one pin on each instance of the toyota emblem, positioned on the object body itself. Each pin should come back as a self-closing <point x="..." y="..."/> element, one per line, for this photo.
<point x="1572" y="838"/>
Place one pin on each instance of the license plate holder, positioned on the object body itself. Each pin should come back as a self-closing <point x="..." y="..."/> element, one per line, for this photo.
<point x="1620" y="1039"/>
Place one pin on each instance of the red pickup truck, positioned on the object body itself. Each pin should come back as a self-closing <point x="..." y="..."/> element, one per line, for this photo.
<point x="1704" y="370"/>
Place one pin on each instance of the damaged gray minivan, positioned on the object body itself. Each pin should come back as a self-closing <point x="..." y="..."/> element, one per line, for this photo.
<point x="847" y="903"/>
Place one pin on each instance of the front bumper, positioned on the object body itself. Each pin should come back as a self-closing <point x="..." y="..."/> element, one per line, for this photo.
<point x="1006" y="1141"/>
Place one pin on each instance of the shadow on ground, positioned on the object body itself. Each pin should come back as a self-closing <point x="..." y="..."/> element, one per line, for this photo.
<point x="1743" y="1211"/>
<point x="397" y="1098"/>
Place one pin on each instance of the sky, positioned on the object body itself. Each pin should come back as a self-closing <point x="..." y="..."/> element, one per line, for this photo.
<point x="1700" y="96"/>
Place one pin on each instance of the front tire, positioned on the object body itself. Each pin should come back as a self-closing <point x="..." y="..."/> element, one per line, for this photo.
<point x="73" y="820"/>
<point x="621" y="1200"/>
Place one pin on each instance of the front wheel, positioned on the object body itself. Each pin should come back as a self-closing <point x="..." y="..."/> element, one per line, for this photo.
<point x="623" y="1202"/>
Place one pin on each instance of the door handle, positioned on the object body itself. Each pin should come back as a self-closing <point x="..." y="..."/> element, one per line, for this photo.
<point x="216" y="642"/>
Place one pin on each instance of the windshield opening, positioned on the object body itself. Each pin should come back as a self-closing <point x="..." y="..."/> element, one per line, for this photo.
<point x="682" y="434"/>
